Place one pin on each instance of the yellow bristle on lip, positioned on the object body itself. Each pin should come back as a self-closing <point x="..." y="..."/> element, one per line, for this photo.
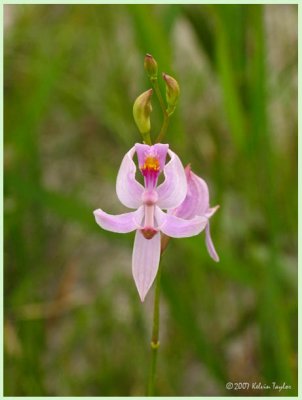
<point x="151" y="163"/>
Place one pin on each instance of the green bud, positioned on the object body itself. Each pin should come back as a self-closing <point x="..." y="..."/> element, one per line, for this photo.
<point x="172" y="92"/>
<point x="141" y="111"/>
<point x="150" y="66"/>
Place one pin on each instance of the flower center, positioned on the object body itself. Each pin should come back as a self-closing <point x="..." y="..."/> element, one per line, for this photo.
<point x="151" y="165"/>
<point x="150" y="170"/>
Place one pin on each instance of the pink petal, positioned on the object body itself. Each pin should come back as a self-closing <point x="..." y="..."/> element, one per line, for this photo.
<point x="210" y="245"/>
<point x="145" y="261"/>
<point x="177" y="227"/>
<point x="158" y="150"/>
<point x="161" y="151"/>
<point x="142" y="150"/>
<point x="197" y="199"/>
<point x="122" y="223"/>
<point x="202" y="191"/>
<point x="128" y="190"/>
<point x="172" y="191"/>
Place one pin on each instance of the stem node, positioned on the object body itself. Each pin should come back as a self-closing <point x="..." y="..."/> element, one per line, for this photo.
<point x="155" y="345"/>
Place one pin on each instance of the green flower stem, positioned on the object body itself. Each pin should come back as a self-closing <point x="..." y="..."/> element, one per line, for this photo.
<point x="164" y="243"/>
<point x="163" y="107"/>
<point x="147" y="138"/>
<point x="155" y="85"/>
<point x="163" y="129"/>
<point x="155" y="335"/>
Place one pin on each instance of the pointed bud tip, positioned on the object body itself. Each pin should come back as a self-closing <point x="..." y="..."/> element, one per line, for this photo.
<point x="170" y="81"/>
<point x="150" y="66"/>
<point x="167" y="77"/>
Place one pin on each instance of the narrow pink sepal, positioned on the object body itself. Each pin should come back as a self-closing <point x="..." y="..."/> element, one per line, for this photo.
<point x="177" y="227"/>
<point x="172" y="191"/>
<point x="145" y="262"/>
<point x="128" y="189"/>
<point x="211" y="211"/>
<point x="122" y="223"/>
<point x="210" y="245"/>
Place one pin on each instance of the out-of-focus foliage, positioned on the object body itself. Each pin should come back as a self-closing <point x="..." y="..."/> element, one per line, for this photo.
<point x="74" y="324"/>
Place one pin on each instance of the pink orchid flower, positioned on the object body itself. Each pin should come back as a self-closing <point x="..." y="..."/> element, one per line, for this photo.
<point x="197" y="203"/>
<point x="149" y="220"/>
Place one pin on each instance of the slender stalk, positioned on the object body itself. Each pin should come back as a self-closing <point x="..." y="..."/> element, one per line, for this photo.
<point x="164" y="243"/>
<point x="163" y="129"/>
<point x="147" y="138"/>
<point x="155" y="335"/>
<point x="154" y="82"/>
<point x="163" y="108"/>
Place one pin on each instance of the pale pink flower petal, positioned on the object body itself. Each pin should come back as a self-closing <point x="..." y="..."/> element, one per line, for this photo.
<point x="195" y="204"/>
<point x="128" y="190"/>
<point x="141" y="151"/>
<point x="172" y="191"/>
<point x="210" y="245"/>
<point x="202" y="193"/>
<point x="161" y="151"/>
<point x="145" y="261"/>
<point x="176" y="227"/>
<point x="197" y="197"/>
<point x="122" y="223"/>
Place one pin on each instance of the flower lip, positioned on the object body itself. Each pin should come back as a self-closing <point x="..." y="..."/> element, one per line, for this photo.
<point x="151" y="160"/>
<point x="146" y="155"/>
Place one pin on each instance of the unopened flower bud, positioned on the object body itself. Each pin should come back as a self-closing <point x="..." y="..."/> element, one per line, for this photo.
<point x="172" y="92"/>
<point x="141" y="111"/>
<point x="150" y="66"/>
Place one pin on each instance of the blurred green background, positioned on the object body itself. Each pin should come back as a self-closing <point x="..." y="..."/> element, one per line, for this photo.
<point x="74" y="324"/>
